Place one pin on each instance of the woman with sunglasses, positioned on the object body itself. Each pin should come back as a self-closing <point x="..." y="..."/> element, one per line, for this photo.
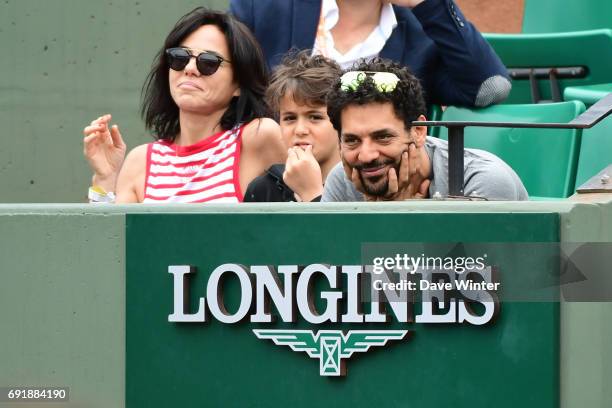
<point x="203" y="102"/>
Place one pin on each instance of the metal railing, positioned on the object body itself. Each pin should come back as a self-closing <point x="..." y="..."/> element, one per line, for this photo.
<point x="588" y="119"/>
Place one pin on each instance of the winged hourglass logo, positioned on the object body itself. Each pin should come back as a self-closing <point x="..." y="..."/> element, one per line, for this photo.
<point x="331" y="346"/>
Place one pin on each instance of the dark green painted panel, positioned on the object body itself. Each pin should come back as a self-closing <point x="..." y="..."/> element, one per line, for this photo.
<point x="511" y="362"/>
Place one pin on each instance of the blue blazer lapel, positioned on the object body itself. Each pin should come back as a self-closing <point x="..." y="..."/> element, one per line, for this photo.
<point x="396" y="44"/>
<point x="304" y="22"/>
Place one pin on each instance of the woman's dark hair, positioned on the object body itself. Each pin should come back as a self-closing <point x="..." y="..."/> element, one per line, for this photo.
<point x="407" y="97"/>
<point x="160" y="112"/>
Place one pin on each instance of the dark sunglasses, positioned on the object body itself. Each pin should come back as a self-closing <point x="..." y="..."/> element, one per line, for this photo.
<point x="207" y="62"/>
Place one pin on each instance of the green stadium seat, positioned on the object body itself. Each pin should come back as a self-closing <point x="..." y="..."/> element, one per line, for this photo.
<point x="596" y="143"/>
<point x="591" y="50"/>
<point x="588" y="94"/>
<point x="434" y="113"/>
<point x="544" y="159"/>
<point x="549" y="16"/>
<point x="595" y="150"/>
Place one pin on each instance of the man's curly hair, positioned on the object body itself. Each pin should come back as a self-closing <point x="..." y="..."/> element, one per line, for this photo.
<point x="407" y="97"/>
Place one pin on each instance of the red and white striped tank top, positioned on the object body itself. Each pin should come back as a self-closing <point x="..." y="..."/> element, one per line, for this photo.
<point x="207" y="171"/>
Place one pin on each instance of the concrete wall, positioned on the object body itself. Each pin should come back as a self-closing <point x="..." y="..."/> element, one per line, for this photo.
<point x="586" y="331"/>
<point x="62" y="303"/>
<point x="62" y="294"/>
<point x="63" y="64"/>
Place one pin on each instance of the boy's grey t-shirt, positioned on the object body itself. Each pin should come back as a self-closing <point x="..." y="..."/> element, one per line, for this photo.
<point x="485" y="175"/>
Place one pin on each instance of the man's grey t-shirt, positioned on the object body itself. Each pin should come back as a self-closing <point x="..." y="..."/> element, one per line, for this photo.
<point x="485" y="175"/>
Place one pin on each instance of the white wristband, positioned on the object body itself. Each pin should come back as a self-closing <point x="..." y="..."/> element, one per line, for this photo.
<point x="98" y="195"/>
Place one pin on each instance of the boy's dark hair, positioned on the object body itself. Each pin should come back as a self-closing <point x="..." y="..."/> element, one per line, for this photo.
<point x="160" y="112"/>
<point x="308" y="78"/>
<point x="407" y="97"/>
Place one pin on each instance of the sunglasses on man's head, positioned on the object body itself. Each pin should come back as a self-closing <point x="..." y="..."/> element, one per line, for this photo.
<point x="384" y="81"/>
<point x="207" y="62"/>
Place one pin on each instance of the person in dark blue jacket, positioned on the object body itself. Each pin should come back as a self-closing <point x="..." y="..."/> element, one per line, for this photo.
<point x="454" y="63"/>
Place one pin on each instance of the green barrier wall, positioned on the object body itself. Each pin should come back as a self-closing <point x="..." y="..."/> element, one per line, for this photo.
<point x="212" y="364"/>
<point x="63" y="64"/>
<point x="586" y="362"/>
<point x="62" y="296"/>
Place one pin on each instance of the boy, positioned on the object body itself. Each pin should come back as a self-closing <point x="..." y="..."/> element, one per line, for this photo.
<point x="297" y="94"/>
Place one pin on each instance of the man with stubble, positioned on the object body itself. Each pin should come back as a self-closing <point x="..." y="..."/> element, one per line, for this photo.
<point x="385" y="158"/>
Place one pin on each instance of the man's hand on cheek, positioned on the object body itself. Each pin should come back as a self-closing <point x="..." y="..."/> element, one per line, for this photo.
<point x="412" y="182"/>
